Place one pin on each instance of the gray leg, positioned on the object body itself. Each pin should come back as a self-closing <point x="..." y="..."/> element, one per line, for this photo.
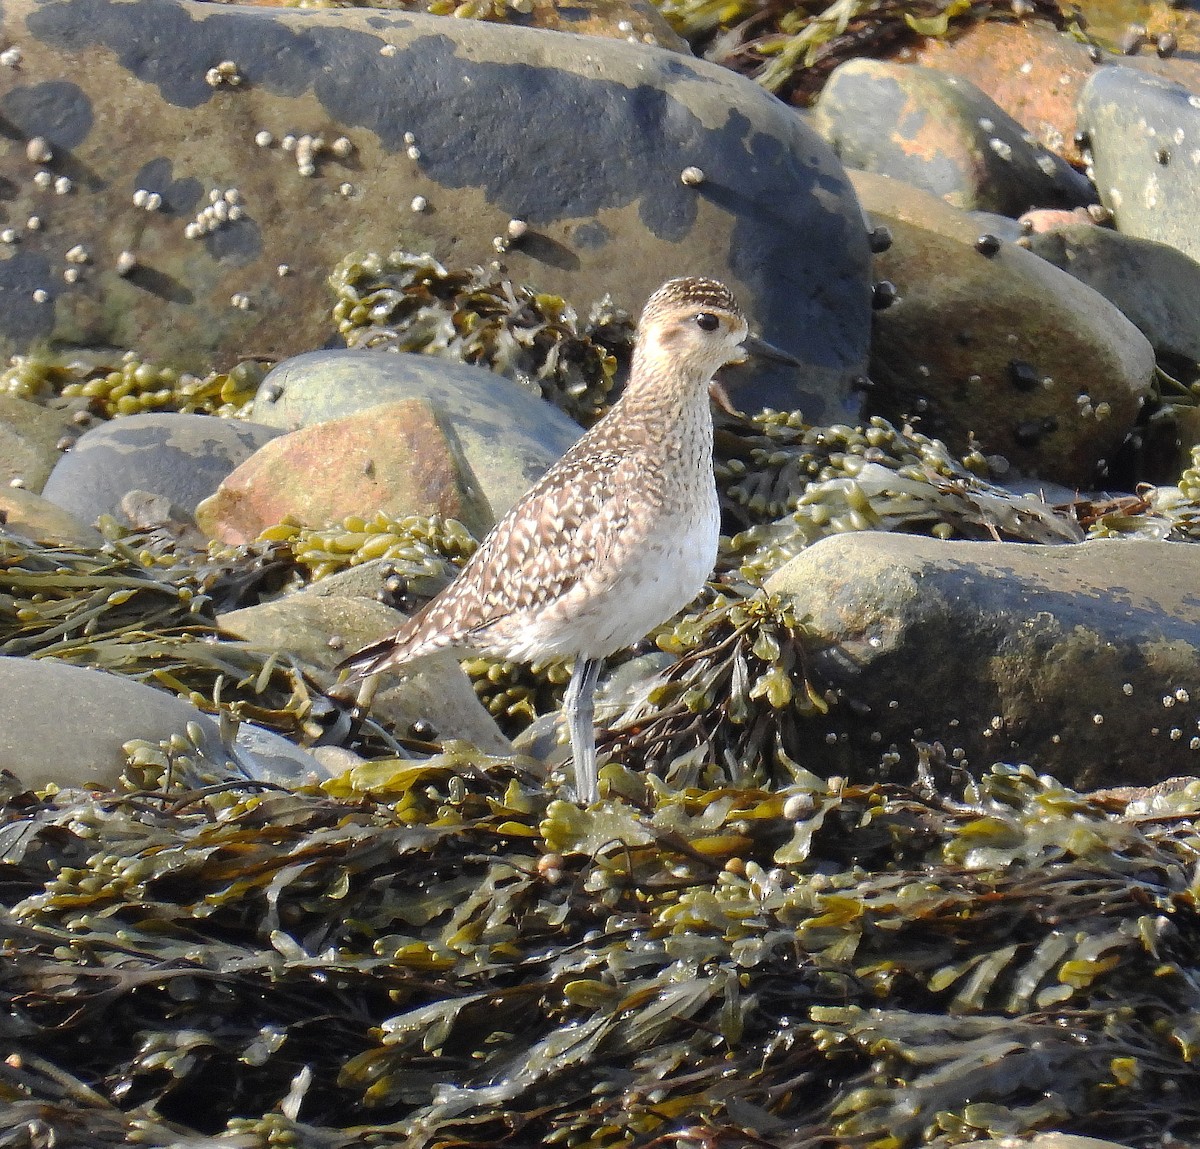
<point x="580" y="711"/>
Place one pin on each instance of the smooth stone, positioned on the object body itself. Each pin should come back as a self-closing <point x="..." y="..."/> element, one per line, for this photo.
<point x="971" y="338"/>
<point x="35" y="517"/>
<point x="29" y="438"/>
<point x="1081" y="660"/>
<point x="1154" y="285"/>
<point x="941" y="133"/>
<point x="181" y="457"/>
<point x="437" y="691"/>
<point x="508" y="435"/>
<point x="65" y="724"/>
<point x="1143" y="133"/>
<point x="582" y="138"/>
<point x="1033" y="71"/>
<point x="267" y="756"/>
<point x="393" y="458"/>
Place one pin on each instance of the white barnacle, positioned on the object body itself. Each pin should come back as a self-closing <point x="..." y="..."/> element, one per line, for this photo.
<point x="346" y="190"/>
<point x="33" y="223"/>
<point x="11" y="57"/>
<point x="43" y="179"/>
<point x="40" y="295"/>
<point x="419" y="203"/>
<point x="263" y="139"/>
<point x="413" y="152"/>
<point x="9" y="235"/>
<point x="517" y="228"/>
<point x="38" y="150"/>
<point x="388" y="50"/>
<point x="1000" y="147"/>
<point x="78" y="254"/>
<point x="240" y="300"/>
<point x="283" y="270"/>
<point x="63" y="186"/>
<point x="691" y="176"/>
<point x="71" y="274"/>
<point x="341" y="147"/>
<point x="126" y="262"/>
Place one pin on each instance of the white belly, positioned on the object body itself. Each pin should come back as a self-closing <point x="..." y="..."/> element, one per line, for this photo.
<point x="655" y="579"/>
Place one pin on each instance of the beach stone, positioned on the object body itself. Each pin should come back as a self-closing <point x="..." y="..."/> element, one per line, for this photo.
<point x="1081" y="660"/>
<point x="976" y="331"/>
<point x="941" y="133"/>
<point x="37" y="518"/>
<point x="118" y="92"/>
<point x="508" y="435"/>
<point x="1154" y="285"/>
<point x="29" y="438"/>
<point x="1033" y="71"/>
<point x="66" y="724"/>
<point x="437" y="692"/>
<point x="393" y="458"/>
<point x="181" y="457"/>
<point x="1144" y="134"/>
<point x="266" y="756"/>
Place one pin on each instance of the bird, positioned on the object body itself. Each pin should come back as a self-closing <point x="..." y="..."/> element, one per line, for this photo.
<point x="619" y="535"/>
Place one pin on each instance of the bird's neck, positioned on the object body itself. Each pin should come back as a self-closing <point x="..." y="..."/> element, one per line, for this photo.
<point x="662" y="390"/>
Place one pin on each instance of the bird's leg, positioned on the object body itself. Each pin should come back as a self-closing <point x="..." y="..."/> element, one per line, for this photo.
<point x="578" y="703"/>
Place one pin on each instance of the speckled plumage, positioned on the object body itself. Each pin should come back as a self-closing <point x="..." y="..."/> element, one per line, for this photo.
<point x="619" y="534"/>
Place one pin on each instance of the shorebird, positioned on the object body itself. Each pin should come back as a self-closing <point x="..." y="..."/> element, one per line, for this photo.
<point x="615" y="538"/>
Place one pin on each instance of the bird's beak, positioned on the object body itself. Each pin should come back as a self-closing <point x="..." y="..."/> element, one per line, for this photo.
<point x="759" y="348"/>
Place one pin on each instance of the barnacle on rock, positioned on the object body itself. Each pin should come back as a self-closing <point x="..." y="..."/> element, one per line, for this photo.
<point x="404" y="302"/>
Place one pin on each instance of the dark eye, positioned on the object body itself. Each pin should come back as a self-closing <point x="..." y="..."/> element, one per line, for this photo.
<point x="707" y="321"/>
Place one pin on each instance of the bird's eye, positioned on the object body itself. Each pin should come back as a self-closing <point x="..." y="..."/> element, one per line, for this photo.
<point x="707" y="321"/>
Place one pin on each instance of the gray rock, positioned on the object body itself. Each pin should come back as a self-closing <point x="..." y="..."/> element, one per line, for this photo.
<point x="1154" y="285"/>
<point x="180" y="457"/>
<point x="582" y="138"/>
<point x="66" y="724"/>
<point x="508" y="435"/>
<point x="269" y="757"/>
<point x="37" y="518"/>
<point x="941" y="133"/>
<point x="1083" y="661"/>
<point x="1142" y="132"/>
<point x="29" y="437"/>
<point x="990" y="341"/>
<point x="437" y="692"/>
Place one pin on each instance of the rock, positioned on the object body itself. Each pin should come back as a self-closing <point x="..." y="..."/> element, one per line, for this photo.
<point x="988" y="340"/>
<point x="480" y="121"/>
<point x="37" y="518"/>
<point x="1033" y="71"/>
<point x="508" y="435"/>
<point x="29" y="442"/>
<point x="1142" y="132"/>
<point x="437" y="693"/>
<point x="1082" y="660"/>
<point x="1154" y="286"/>
<point x="941" y="133"/>
<point x="181" y="457"/>
<point x="269" y="757"/>
<point x="66" y="724"/>
<point x="394" y="458"/>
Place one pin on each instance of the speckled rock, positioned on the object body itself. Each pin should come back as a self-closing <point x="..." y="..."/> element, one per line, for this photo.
<point x="1038" y="367"/>
<point x="1083" y="661"/>
<point x="94" y="713"/>
<point x="1154" y="285"/>
<point x="393" y="458"/>
<point x="1033" y="71"/>
<point x="480" y="121"/>
<point x="29" y="438"/>
<point x="181" y="457"/>
<point x="437" y="693"/>
<point x="36" y="517"/>
<point x="1144" y="135"/>
<point x="941" y="133"/>
<point x="508" y="435"/>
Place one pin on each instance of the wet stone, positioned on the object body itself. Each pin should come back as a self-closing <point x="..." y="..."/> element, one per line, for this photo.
<point x="1039" y="368"/>
<point x="180" y="457"/>
<point x="1082" y="660"/>
<point x="941" y="133"/>
<point x="203" y="287"/>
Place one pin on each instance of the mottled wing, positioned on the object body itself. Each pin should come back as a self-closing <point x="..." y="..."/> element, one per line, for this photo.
<point x="570" y="520"/>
